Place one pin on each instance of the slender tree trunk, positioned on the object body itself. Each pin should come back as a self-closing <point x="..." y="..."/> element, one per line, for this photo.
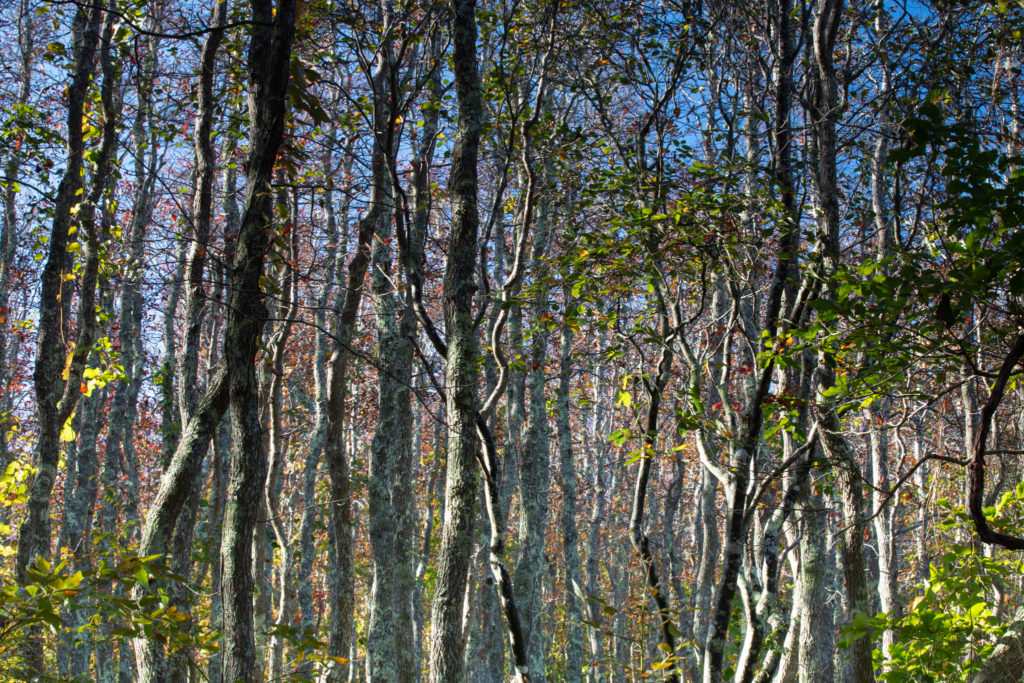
<point x="922" y="567"/>
<point x="884" y="518"/>
<point x="446" y="647"/>
<point x="573" y="589"/>
<point x="9" y="227"/>
<point x="837" y="449"/>
<point x="56" y="393"/>
<point x="288" y="310"/>
<point x="817" y="642"/>
<point x="598" y="473"/>
<point x="80" y="501"/>
<point x="221" y="463"/>
<point x="167" y="530"/>
<point x="341" y="575"/>
<point x="389" y="648"/>
<point x="534" y="466"/>
<point x="79" y="505"/>
<point x="269" y="59"/>
<point x="783" y="281"/>
<point x="849" y="483"/>
<point x="331" y="283"/>
<point x="884" y="514"/>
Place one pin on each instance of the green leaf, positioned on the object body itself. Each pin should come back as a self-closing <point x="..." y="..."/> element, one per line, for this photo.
<point x="619" y="436"/>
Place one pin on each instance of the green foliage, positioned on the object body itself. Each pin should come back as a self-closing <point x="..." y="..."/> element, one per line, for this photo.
<point x="918" y="306"/>
<point x="107" y="594"/>
<point x="951" y="627"/>
<point x="126" y="597"/>
<point x="13" y="491"/>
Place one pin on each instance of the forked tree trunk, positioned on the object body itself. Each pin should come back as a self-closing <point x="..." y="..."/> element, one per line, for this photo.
<point x="268" y="68"/>
<point x="837" y="448"/>
<point x="389" y="646"/>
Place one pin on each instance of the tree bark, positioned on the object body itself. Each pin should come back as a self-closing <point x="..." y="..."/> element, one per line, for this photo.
<point x="1006" y="662"/>
<point x="57" y="375"/>
<point x="268" y="70"/>
<point x="389" y="647"/>
<point x="534" y="465"/>
<point x="446" y="662"/>
<point x="573" y="589"/>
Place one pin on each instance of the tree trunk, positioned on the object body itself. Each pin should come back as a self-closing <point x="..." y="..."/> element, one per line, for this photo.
<point x="57" y="393"/>
<point x="534" y="466"/>
<point x="446" y="647"/>
<point x="389" y="646"/>
<point x="9" y="226"/>
<point x="817" y="642"/>
<point x="269" y="60"/>
<point x="837" y="449"/>
<point x="1006" y="662"/>
<point x="573" y="589"/>
<point x="332" y="281"/>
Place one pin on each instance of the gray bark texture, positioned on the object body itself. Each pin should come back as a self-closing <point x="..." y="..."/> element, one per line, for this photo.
<point x="744" y="450"/>
<point x="573" y="587"/>
<point x="1006" y="663"/>
<point x="837" y="449"/>
<point x="534" y="466"/>
<point x="389" y="649"/>
<point x="268" y="67"/>
<point x="446" y="646"/>
<point x="181" y="483"/>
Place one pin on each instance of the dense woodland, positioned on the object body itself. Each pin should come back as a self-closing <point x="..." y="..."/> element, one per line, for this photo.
<point x="528" y="340"/>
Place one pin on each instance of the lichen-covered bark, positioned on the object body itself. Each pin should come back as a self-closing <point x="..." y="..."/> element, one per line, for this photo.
<point x="884" y="512"/>
<point x="849" y="483"/>
<point x="340" y="575"/>
<point x="782" y="282"/>
<point x="817" y="639"/>
<point x="389" y="647"/>
<point x="202" y="215"/>
<point x="269" y="60"/>
<point x="310" y="510"/>
<point x="534" y="466"/>
<point x="597" y="459"/>
<point x="79" y="504"/>
<point x="390" y="655"/>
<point x="446" y="662"/>
<point x="165" y="522"/>
<point x="573" y="588"/>
<point x="1006" y="662"/>
<point x="279" y="584"/>
<point x="837" y="449"/>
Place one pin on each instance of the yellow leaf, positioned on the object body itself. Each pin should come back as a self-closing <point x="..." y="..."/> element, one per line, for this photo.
<point x="625" y="399"/>
<point x="67" y="433"/>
